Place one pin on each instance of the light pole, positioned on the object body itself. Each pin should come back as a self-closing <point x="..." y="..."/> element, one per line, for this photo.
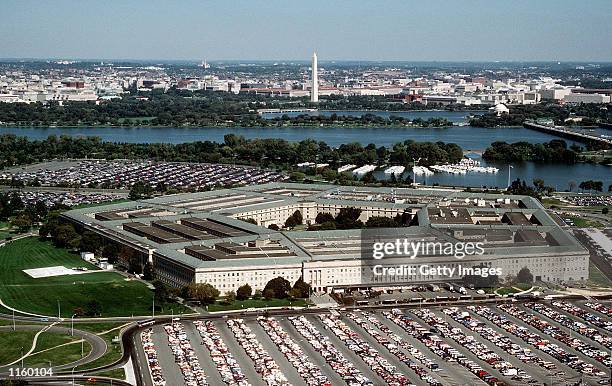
<point x="509" y="167"/>
<point x="73" y="373"/>
<point x="414" y="162"/>
<point x="59" y="310"/>
<point x="72" y="325"/>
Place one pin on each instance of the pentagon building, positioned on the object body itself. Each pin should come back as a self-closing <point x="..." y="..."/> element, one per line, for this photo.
<point x="203" y="237"/>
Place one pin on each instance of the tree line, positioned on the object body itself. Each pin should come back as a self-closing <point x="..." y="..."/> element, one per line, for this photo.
<point x="555" y="151"/>
<point x="264" y="152"/>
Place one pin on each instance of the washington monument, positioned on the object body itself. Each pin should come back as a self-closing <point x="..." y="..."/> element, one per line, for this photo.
<point x="314" y="91"/>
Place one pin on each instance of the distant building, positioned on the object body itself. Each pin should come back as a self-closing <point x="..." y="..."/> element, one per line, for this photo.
<point x="586" y="98"/>
<point x="554" y="94"/>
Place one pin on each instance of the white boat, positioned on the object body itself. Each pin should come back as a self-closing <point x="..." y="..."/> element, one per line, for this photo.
<point x="346" y="168"/>
<point x="360" y="171"/>
<point x="421" y="170"/>
<point x="397" y="170"/>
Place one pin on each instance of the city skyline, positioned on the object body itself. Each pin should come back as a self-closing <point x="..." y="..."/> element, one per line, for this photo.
<point x="472" y="31"/>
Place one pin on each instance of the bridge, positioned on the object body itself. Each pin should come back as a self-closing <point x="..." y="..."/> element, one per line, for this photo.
<point x="290" y="110"/>
<point x="565" y="132"/>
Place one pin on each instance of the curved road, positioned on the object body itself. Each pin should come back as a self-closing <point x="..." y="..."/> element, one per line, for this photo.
<point x="98" y="345"/>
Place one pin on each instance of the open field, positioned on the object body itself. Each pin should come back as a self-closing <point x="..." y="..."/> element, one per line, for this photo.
<point x="58" y="355"/>
<point x="116" y="295"/>
<point x="13" y="343"/>
<point x="582" y="222"/>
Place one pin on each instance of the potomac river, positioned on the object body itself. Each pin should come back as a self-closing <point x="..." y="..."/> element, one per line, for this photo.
<point x="469" y="138"/>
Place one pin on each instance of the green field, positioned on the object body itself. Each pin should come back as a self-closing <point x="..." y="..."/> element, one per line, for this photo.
<point x="5" y="230"/>
<point x="114" y="373"/>
<point x="582" y="222"/>
<point x="255" y="303"/>
<point x="13" y="343"/>
<point x="58" y="355"/>
<point x="117" y="295"/>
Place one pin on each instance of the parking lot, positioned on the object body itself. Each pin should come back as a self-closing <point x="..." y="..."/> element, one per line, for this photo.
<point x="514" y="343"/>
<point x="122" y="174"/>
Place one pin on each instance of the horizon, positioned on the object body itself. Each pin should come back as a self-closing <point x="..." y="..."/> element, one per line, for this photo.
<point x="291" y="61"/>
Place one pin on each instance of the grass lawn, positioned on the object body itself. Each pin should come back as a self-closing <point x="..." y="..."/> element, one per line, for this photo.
<point x="113" y="353"/>
<point x="582" y="222"/>
<point x="12" y="342"/>
<point x="548" y="202"/>
<point x="56" y="356"/>
<point x="114" y="373"/>
<point x="252" y="303"/>
<point x="117" y="296"/>
<point x="507" y="290"/>
<point x="597" y="278"/>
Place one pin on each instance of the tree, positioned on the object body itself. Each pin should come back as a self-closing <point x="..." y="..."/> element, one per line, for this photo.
<point x="230" y="297"/>
<point x="348" y="218"/>
<point x="274" y="227"/>
<point x="244" y="292"/>
<point x="65" y="236"/>
<point x="381" y="222"/>
<point x="279" y="287"/>
<point x="147" y="272"/>
<point x="93" y="308"/>
<point x="524" y="276"/>
<point x="297" y="176"/>
<point x="328" y="226"/>
<point x="323" y="217"/>
<point x="257" y="295"/>
<point x="203" y="292"/>
<point x="90" y="241"/>
<point x="161" y="293"/>
<point x="605" y="210"/>
<point x="302" y="288"/>
<point x="131" y="258"/>
<point x="294" y="220"/>
<point x="297" y="216"/>
<point x="22" y="222"/>
<point x="140" y="190"/>
<point x="111" y="252"/>
<point x="268" y="294"/>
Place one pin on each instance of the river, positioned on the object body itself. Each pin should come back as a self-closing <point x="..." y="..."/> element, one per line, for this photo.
<point x="469" y="138"/>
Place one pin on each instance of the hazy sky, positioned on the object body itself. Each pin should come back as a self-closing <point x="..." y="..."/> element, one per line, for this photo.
<point x="566" y="30"/>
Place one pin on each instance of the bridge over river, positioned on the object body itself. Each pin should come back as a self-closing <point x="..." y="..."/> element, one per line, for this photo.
<point x="565" y="132"/>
